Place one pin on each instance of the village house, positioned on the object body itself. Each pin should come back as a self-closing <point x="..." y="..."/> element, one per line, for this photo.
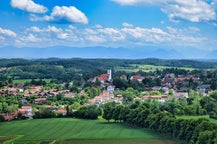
<point x="181" y="95"/>
<point x="62" y="112"/>
<point x="9" y="117"/>
<point x="3" y="68"/>
<point x="69" y="95"/>
<point x="104" y="97"/>
<point x="110" y="88"/>
<point x="118" y="99"/>
<point x="138" y="78"/>
<point x="39" y="100"/>
<point x="203" y="89"/>
<point x="24" y="100"/>
<point x="160" y="98"/>
<point x="26" y="111"/>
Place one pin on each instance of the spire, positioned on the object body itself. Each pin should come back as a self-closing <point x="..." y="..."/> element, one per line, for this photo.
<point x="110" y="74"/>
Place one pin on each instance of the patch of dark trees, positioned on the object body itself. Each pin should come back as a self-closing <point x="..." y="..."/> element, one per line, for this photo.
<point x="193" y="131"/>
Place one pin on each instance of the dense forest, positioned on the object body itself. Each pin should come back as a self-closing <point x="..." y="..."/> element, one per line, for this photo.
<point x="89" y="63"/>
<point x="65" y="69"/>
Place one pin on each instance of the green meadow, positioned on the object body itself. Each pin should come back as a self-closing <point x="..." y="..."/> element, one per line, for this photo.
<point x="147" y="68"/>
<point x="76" y="131"/>
<point x="17" y="81"/>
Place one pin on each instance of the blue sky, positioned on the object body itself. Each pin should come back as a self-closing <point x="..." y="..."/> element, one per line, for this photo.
<point x="172" y="24"/>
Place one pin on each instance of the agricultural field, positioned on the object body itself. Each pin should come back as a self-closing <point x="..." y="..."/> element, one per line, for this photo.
<point x="146" y="68"/>
<point x="76" y="131"/>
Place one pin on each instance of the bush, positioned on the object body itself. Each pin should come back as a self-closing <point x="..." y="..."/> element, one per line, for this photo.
<point x="88" y="112"/>
<point x="2" y="118"/>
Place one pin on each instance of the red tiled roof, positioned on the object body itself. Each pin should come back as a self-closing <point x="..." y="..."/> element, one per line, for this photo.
<point x="40" y="99"/>
<point x="103" y="77"/>
<point x="61" y="111"/>
<point x="136" y="77"/>
<point x="9" y="116"/>
<point x="23" y="111"/>
<point x="26" y="107"/>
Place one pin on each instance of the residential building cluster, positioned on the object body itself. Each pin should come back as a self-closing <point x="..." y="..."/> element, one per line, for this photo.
<point x="171" y="86"/>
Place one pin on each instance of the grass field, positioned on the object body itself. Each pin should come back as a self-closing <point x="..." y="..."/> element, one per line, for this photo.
<point x="17" y="81"/>
<point x="67" y="130"/>
<point x="146" y="68"/>
<point x="197" y="117"/>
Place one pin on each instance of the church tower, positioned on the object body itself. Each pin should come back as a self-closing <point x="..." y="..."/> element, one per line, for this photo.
<point x="110" y="75"/>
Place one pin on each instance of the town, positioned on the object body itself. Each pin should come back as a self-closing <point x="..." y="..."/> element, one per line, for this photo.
<point x="27" y="99"/>
<point x="71" y="94"/>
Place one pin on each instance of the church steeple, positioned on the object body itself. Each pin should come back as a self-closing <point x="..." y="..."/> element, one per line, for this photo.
<point x="110" y="75"/>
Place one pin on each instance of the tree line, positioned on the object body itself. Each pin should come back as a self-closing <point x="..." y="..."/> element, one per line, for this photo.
<point x="194" y="131"/>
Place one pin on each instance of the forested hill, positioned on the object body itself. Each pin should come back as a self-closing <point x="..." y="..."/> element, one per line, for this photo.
<point x="88" y="64"/>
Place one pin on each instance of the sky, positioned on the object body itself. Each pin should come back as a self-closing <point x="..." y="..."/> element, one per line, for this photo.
<point x="168" y="24"/>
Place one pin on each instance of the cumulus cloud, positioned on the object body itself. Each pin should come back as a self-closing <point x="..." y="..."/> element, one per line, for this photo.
<point x="127" y="35"/>
<point x="191" y="10"/>
<point x="185" y="35"/>
<point x="154" y="35"/>
<point x="63" y="14"/>
<point x="125" y="24"/>
<point x="6" y="32"/>
<point x="49" y="31"/>
<point x="32" y="38"/>
<point x="29" y="6"/>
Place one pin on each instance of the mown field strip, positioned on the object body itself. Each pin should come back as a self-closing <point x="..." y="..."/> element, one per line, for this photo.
<point x="74" y="130"/>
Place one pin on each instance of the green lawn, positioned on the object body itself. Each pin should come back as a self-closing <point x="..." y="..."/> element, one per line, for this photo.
<point x="68" y="130"/>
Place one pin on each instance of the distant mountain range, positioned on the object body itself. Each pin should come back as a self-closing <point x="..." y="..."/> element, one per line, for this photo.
<point x="103" y="52"/>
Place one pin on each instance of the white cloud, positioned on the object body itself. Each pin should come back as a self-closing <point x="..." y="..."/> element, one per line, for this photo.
<point x="98" y="26"/>
<point x="136" y="2"/>
<point x="7" y="32"/>
<point x="125" y="24"/>
<point x="112" y="34"/>
<point x="110" y="37"/>
<point x="95" y="39"/>
<point x="63" y="35"/>
<point x="53" y="29"/>
<point x="191" y="10"/>
<point x="32" y="38"/>
<point x="49" y="31"/>
<point x="185" y="36"/>
<point x="63" y="14"/>
<point x="1" y="38"/>
<point x="29" y="6"/>
<point x="153" y="35"/>
<point x="34" y="29"/>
